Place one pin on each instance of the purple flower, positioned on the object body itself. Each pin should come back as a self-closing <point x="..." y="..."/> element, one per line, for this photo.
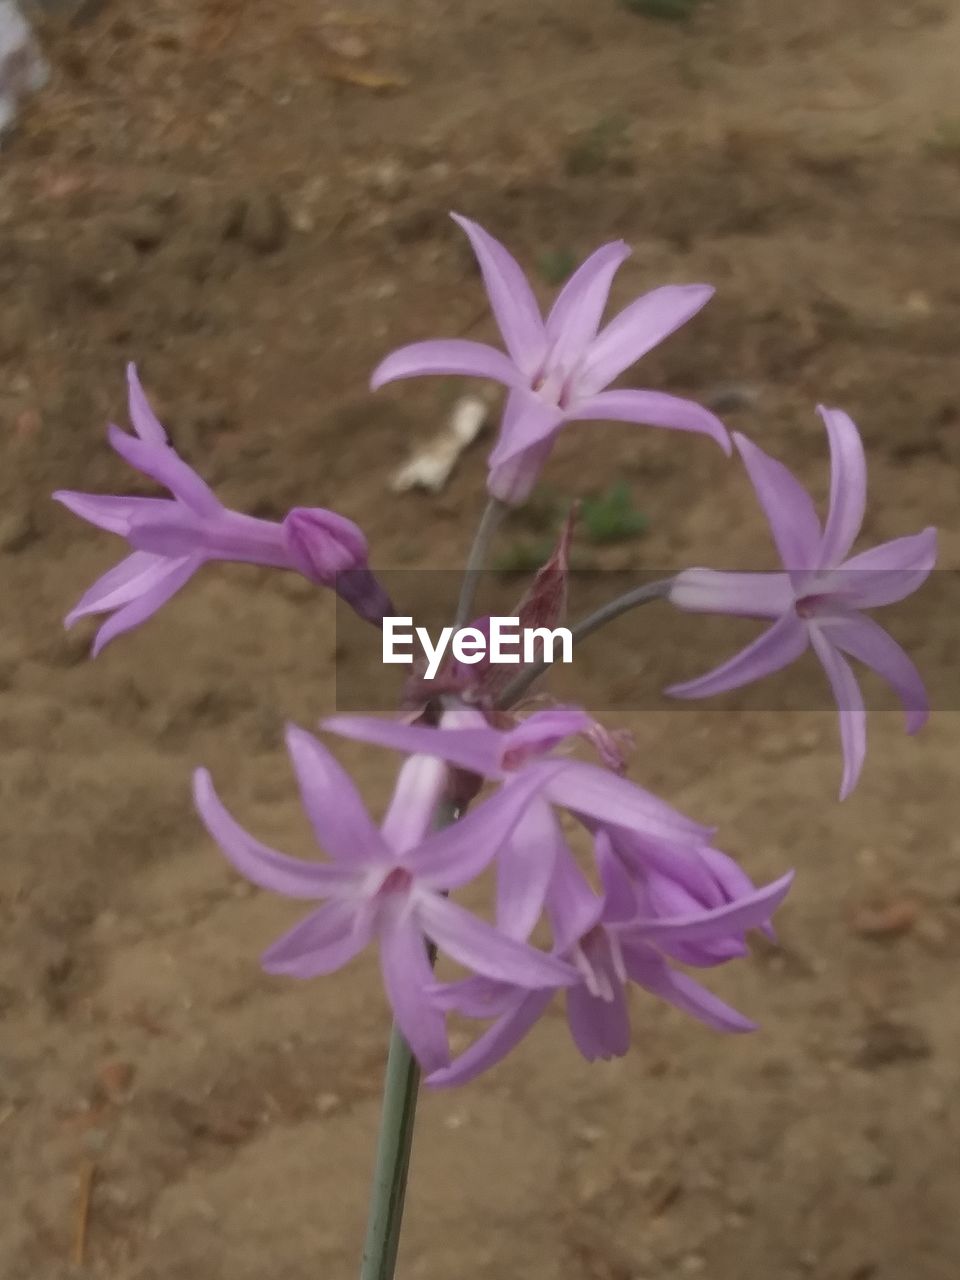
<point x="627" y="934"/>
<point x="466" y="740"/>
<point x="526" y="861"/>
<point x="817" y="601"/>
<point x="557" y="370"/>
<point x="387" y="884"/>
<point x="173" y="537"/>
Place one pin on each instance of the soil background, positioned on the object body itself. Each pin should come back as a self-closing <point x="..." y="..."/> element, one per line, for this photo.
<point x="251" y="201"/>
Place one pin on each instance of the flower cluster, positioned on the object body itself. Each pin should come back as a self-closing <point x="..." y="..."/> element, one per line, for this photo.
<point x="598" y="883"/>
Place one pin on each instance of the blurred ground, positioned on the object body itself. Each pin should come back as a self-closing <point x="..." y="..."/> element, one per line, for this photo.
<point x="203" y="189"/>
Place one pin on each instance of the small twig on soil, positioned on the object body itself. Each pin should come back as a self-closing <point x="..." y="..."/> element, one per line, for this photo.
<point x="87" y="1174"/>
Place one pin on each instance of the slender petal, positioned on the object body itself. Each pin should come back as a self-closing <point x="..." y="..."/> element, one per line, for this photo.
<point x="322" y="943"/>
<point x="145" y="421"/>
<point x="619" y="890"/>
<point x="480" y="947"/>
<point x="495" y="1043"/>
<point x="406" y="976"/>
<point x="475" y="749"/>
<point x="746" y="595"/>
<point x="787" y="505"/>
<point x="531" y="422"/>
<point x="572" y="905"/>
<point x="596" y="793"/>
<point x="888" y="573"/>
<point x="848" y="487"/>
<point x="259" y="863"/>
<point x="456" y="855"/>
<point x="107" y="512"/>
<point x="600" y="1028"/>
<point x="849" y="699"/>
<point x="541" y="733"/>
<point x="511" y="298"/>
<point x="653" y="409"/>
<point x="782" y="644"/>
<point x="514" y="480"/>
<point x="575" y="318"/>
<point x="474" y="997"/>
<point x="749" y="912"/>
<point x="446" y="356"/>
<point x="161" y="463"/>
<point x="179" y="572"/>
<point x="134" y="576"/>
<point x="177" y="531"/>
<point x="866" y="640"/>
<point x="339" y="817"/>
<point x="525" y="868"/>
<point x="413" y="807"/>
<point x="644" y="855"/>
<point x="650" y="971"/>
<point x="637" y="330"/>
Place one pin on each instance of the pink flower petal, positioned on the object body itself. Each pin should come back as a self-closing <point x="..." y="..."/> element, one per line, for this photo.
<point x="406" y="976"/>
<point x="575" y="318"/>
<point x="260" y="864"/>
<point x="446" y="356"/>
<point x="652" y="409"/>
<point x="746" y="595"/>
<point x="496" y="1042"/>
<point x="752" y="911"/>
<point x="511" y="298"/>
<point x="134" y="576"/>
<point x="477" y="750"/>
<point x="866" y="640"/>
<point x="145" y="421"/>
<point x="340" y="821"/>
<point x="600" y="1028"/>
<point x="456" y="855"/>
<point x="161" y="463"/>
<point x="480" y="947"/>
<point x="650" y="971"/>
<point x="888" y="573"/>
<point x="322" y="943"/>
<point x="787" y="505"/>
<point x="418" y="791"/>
<point x="853" y="717"/>
<point x="178" y="573"/>
<point x="782" y="644"/>
<point x="528" y="422"/>
<point x="637" y="330"/>
<point x="525" y="867"/>
<point x="596" y="793"/>
<point x="108" y="512"/>
<point x="848" y="487"/>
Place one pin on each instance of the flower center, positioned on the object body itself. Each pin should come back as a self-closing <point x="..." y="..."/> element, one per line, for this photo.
<point x="396" y="881"/>
<point x="808" y="606"/>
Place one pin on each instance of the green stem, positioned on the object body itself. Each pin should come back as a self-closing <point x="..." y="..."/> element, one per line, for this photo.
<point x="401" y="1084"/>
<point x="606" y="613"/>
<point x="489" y="523"/>
<point x="400" y="1087"/>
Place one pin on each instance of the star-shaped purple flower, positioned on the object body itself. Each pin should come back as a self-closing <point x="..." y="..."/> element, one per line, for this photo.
<point x="557" y="370"/>
<point x="172" y="537"/>
<point x="388" y="884"/>
<point x="818" y="600"/>
<point x="627" y="934"/>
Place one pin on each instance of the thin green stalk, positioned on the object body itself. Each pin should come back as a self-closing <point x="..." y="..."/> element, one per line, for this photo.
<point x="493" y="513"/>
<point x="401" y="1084"/>
<point x="593" y="622"/>
<point x="400" y="1087"/>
